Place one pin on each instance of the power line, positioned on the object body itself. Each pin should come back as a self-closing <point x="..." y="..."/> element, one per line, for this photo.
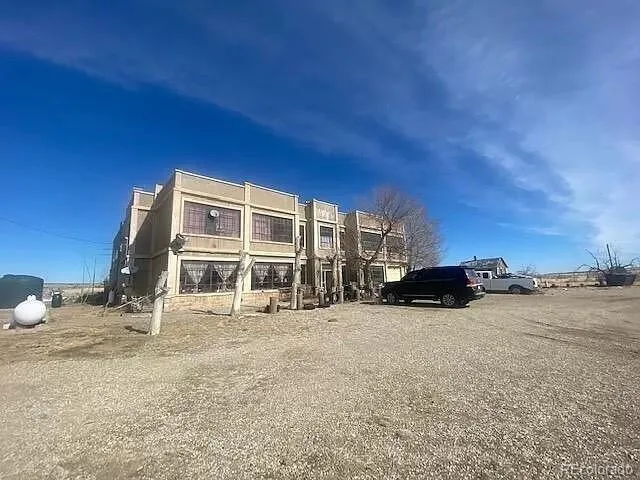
<point x="47" y="232"/>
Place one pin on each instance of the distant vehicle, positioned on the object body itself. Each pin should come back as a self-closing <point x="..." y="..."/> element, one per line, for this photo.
<point x="509" y="282"/>
<point x="452" y="286"/>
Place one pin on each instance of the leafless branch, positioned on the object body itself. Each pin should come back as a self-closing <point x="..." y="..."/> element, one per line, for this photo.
<point x="528" y="270"/>
<point x="395" y="213"/>
<point x="609" y="261"/>
<point x="423" y="242"/>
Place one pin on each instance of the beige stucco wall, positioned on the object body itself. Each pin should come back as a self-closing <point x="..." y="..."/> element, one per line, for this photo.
<point x="161" y="220"/>
<point x="203" y="199"/>
<point x="165" y="190"/>
<point x="144" y="199"/>
<point x="197" y="242"/>
<point x="142" y="276"/>
<point x="211" y="187"/>
<point x="302" y="211"/>
<point x="325" y="211"/>
<point x="269" y="199"/>
<point x="158" y="264"/>
<point x="323" y="253"/>
<point x="368" y="221"/>
<point x="395" y="256"/>
<point x="143" y="236"/>
<point x="213" y="301"/>
<point x="272" y="247"/>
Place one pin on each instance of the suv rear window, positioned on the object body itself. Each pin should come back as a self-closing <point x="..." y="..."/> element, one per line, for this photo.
<point x="411" y="276"/>
<point x="471" y="274"/>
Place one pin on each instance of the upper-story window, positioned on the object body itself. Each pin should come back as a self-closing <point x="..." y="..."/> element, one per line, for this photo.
<point x="370" y="241"/>
<point x="210" y="220"/>
<point x="395" y="244"/>
<point x="326" y="237"/>
<point x="272" y="229"/>
<point x="301" y="232"/>
<point x="343" y="240"/>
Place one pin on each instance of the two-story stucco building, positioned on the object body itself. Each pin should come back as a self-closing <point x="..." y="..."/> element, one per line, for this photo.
<point x="219" y="219"/>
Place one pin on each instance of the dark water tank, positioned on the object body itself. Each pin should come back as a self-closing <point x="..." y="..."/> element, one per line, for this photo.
<point x="15" y="289"/>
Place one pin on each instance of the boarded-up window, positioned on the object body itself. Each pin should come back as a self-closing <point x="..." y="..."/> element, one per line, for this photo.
<point x="272" y="229"/>
<point x="370" y="241"/>
<point x="266" y="276"/>
<point x="326" y="237"/>
<point x="203" y="277"/>
<point x="209" y="220"/>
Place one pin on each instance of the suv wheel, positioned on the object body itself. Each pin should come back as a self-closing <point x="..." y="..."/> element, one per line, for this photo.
<point x="515" y="289"/>
<point x="448" y="300"/>
<point x="391" y="298"/>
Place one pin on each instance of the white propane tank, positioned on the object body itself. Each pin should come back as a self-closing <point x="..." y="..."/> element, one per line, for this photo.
<point x="30" y="312"/>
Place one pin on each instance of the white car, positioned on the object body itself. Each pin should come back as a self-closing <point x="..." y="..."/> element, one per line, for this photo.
<point x="507" y="283"/>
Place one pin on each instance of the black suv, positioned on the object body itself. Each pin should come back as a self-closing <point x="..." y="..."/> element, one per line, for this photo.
<point x="453" y="286"/>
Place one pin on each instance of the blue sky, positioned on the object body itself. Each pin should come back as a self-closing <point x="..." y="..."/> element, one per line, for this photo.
<point x="516" y="122"/>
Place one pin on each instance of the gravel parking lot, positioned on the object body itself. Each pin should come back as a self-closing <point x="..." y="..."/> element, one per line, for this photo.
<point x="540" y="386"/>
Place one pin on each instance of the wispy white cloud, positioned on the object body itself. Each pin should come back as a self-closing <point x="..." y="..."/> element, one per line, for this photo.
<point x="544" y="94"/>
<point x="562" y="80"/>
<point x="536" y="229"/>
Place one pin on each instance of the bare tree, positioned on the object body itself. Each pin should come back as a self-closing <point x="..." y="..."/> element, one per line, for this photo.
<point x="528" y="270"/>
<point x="242" y="270"/>
<point x="392" y="211"/>
<point x="337" y="290"/>
<point x="609" y="261"/>
<point x="422" y="240"/>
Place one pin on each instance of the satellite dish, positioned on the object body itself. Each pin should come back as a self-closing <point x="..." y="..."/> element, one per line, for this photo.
<point x="214" y="213"/>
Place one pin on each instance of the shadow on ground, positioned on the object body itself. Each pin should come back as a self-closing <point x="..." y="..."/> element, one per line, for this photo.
<point x="131" y="328"/>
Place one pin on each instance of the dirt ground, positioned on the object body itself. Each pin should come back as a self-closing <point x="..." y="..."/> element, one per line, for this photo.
<point x="540" y="386"/>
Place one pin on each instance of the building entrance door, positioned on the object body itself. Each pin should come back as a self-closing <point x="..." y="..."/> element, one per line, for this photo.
<point x="327" y="280"/>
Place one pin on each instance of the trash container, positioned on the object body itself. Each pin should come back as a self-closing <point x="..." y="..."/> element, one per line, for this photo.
<point x="56" y="300"/>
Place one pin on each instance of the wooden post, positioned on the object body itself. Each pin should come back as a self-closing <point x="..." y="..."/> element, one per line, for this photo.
<point x="158" y="304"/>
<point x="244" y="267"/>
<point x="295" y="284"/>
<point x="93" y="277"/>
<point x="334" y="274"/>
<point x="273" y="304"/>
<point x="340" y="285"/>
<point x="237" y="295"/>
<point x="82" y="288"/>
<point x="299" y="301"/>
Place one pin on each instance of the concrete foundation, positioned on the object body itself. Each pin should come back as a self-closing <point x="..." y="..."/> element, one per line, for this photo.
<point x="209" y="301"/>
